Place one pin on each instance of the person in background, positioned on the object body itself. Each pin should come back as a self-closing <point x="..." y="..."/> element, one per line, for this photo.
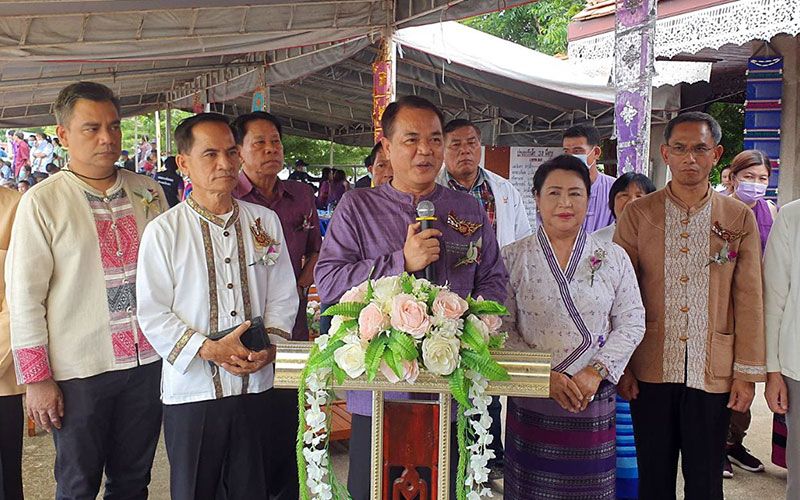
<point x="23" y="186"/>
<point x="366" y="181"/>
<point x="60" y="156"/>
<point x="591" y="318"/>
<point x="143" y="150"/>
<point x="583" y="141"/>
<point x="42" y="153"/>
<point x="628" y="187"/>
<point x="171" y="181"/>
<point x="725" y="188"/>
<point x="52" y="168"/>
<point x="331" y="192"/>
<point x="8" y="184"/>
<point x="782" y="317"/>
<point x="749" y="179"/>
<point x="381" y="168"/>
<point x="697" y="255"/>
<point x="503" y="206"/>
<point x="300" y="174"/>
<point x="126" y="162"/>
<point x="149" y="166"/>
<point x="11" y="412"/>
<point x="22" y="154"/>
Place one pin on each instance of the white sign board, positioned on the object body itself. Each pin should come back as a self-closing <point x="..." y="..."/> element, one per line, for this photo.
<point x="523" y="164"/>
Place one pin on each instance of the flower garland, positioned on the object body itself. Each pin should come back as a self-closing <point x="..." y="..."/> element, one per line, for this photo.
<point x="397" y="326"/>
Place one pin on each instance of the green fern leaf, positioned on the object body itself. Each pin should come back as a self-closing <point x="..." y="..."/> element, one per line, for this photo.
<point x="346" y="309"/>
<point x="372" y="359"/>
<point x="485" y="365"/>
<point x="403" y="345"/>
<point x="458" y="387"/>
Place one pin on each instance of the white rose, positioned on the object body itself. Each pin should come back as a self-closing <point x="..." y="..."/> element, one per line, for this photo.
<point x="448" y="328"/>
<point x="440" y="354"/>
<point x="350" y="358"/>
<point x="384" y="290"/>
<point x="480" y="326"/>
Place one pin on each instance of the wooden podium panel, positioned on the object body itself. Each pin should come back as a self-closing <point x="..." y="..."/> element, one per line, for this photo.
<point x="410" y="441"/>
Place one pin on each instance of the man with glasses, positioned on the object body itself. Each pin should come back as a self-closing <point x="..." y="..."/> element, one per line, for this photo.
<point x="698" y="258"/>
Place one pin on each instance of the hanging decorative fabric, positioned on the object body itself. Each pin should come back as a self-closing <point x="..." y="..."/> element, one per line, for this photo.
<point x="633" y="77"/>
<point x="381" y="87"/>
<point x="762" y="113"/>
<point x="259" y="99"/>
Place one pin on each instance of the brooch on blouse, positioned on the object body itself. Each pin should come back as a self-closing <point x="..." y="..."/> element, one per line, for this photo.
<point x="462" y="226"/>
<point x="595" y="263"/>
<point x="149" y="198"/>
<point x="265" y="245"/>
<point x="473" y="254"/>
<point x="725" y="253"/>
<point x="307" y="223"/>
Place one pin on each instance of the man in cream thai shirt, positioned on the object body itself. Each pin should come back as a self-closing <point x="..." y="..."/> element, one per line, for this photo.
<point x="782" y="320"/>
<point x="213" y="263"/>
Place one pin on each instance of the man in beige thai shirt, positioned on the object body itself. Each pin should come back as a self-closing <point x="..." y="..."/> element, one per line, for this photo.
<point x="698" y="259"/>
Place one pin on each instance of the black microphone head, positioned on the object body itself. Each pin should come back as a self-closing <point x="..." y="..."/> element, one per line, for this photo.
<point x="425" y="209"/>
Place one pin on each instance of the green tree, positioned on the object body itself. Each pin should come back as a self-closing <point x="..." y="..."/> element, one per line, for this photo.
<point x="731" y="119"/>
<point x="540" y="26"/>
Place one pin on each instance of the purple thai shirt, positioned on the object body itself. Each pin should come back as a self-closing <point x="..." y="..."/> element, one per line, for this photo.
<point x="598" y="214"/>
<point x="300" y="223"/>
<point x="368" y="230"/>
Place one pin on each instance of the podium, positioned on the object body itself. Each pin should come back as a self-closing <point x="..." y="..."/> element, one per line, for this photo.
<point x="529" y="377"/>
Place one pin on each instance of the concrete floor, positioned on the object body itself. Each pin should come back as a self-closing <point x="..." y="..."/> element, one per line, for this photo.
<point x="769" y="485"/>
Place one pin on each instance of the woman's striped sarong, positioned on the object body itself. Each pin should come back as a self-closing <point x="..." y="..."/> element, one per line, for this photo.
<point x="552" y="454"/>
<point x="627" y="470"/>
<point x="779" y="440"/>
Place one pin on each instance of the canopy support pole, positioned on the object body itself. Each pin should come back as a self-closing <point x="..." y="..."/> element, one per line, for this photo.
<point x="169" y="128"/>
<point x="384" y="75"/>
<point x="633" y="74"/>
<point x="158" y="141"/>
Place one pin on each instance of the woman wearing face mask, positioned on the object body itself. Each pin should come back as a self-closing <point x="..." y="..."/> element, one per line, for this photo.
<point x="749" y="176"/>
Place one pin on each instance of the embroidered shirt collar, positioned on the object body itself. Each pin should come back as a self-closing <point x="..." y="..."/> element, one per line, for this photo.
<point x="407" y="198"/>
<point x="212" y="217"/>
<point x="479" y="180"/>
<point x="682" y="205"/>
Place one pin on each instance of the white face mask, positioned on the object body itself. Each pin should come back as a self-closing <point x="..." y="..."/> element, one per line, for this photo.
<point x="583" y="158"/>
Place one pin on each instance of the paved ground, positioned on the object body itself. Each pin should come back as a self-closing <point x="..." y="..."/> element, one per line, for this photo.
<point x="770" y="485"/>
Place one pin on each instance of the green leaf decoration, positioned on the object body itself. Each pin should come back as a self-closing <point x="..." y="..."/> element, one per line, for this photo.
<point x="346" y="309"/>
<point x="394" y="362"/>
<point x="324" y="358"/>
<point x="403" y="345"/>
<point x="345" y="327"/>
<point x="370" y="290"/>
<point x="406" y="282"/>
<point x="339" y="374"/>
<point x="458" y="387"/>
<point x="484" y="364"/>
<point x="432" y="294"/>
<point x="473" y="338"/>
<point x="372" y="359"/>
<point x="497" y="341"/>
<point x="463" y="455"/>
<point x="486" y="307"/>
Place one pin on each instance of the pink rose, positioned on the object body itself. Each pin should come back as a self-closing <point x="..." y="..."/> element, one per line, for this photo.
<point x="371" y="321"/>
<point x="449" y="305"/>
<point x="355" y="294"/>
<point x="410" y="372"/>
<point x="410" y="315"/>
<point x="492" y="322"/>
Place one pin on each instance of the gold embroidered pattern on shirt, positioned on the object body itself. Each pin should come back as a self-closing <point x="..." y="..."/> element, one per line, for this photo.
<point x="686" y="299"/>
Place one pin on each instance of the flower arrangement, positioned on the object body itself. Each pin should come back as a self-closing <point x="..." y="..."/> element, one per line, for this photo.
<point x="312" y="315"/>
<point x="595" y="263"/>
<point x="150" y="199"/>
<point x="398" y="326"/>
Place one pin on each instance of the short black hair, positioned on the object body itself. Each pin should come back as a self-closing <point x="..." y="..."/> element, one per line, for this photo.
<point x="170" y="164"/>
<point x="694" y="117"/>
<point x="458" y="123"/>
<point x="51" y="168"/>
<point x="239" y="125"/>
<point x="183" y="132"/>
<point x="407" y="101"/>
<point x="591" y="133"/>
<point x="370" y="160"/>
<point x="69" y="95"/>
<point x="561" y="162"/>
<point x="24" y="181"/>
<point x="622" y="183"/>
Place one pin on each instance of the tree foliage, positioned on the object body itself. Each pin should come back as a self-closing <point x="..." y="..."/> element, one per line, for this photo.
<point x="540" y="26"/>
<point x="731" y="119"/>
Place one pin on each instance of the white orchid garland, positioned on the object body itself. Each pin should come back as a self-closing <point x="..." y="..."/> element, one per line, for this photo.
<point x="396" y="325"/>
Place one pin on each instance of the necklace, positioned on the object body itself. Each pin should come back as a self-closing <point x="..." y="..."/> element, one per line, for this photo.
<point x="112" y="174"/>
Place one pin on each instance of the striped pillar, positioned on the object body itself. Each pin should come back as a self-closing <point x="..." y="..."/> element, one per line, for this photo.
<point x="762" y="115"/>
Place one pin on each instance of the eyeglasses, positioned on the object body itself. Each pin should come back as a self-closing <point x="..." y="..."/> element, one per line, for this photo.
<point x="681" y="150"/>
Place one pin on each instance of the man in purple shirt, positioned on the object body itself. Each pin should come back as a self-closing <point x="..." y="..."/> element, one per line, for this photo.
<point x="374" y="230"/>
<point x="583" y="141"/>
<point x="258" y="136"/>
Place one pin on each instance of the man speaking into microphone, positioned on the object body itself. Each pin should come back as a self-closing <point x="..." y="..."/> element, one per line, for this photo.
<point x="378" y="229"/>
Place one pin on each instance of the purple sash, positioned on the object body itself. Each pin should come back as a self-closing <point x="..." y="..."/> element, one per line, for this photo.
<point x="562" y="280"/>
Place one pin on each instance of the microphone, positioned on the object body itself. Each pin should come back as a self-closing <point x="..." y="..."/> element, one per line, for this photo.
<point x="425" y="216"/>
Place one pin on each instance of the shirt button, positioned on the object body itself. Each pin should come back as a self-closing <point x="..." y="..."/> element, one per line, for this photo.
<point x="129" y="309"/>
<point x="227" y="260"/>
<point x="685" y="222"/>
<point x="230" y="286"/>
<point x="113" y="226"/>
<point x="685" y="309"/>
<point x="125" y="280"/>
<point x="106" y="200"/>
<point x="226" y="234"/>
<point x="684" y="235"/>
<point x="119" y="253"/>
<point x="684" y="279"/>
<point x="233" y="313"/>
<point x="685" y="250"/>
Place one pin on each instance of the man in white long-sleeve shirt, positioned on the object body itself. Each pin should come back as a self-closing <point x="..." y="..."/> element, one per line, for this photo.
<point x="211" y="264"/>
<point x="782" y="320"/>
